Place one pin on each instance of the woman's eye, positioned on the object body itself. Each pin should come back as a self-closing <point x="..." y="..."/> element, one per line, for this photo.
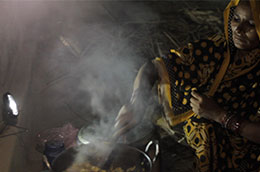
<point x="251" y="23"/>
<point x="236" y="19"/>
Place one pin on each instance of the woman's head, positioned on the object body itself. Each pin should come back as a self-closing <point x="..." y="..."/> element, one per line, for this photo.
<point x="243" y="27"/>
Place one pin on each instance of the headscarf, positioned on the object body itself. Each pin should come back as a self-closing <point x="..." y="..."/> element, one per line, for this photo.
<point x="255" y="8"/>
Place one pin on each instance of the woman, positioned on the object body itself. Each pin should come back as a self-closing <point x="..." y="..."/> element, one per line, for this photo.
<point x="212" y="86"/>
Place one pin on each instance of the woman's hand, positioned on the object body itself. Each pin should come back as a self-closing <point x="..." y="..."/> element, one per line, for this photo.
<point x="206" y="107"/>
<point x="125" y="120"/>
<point x="132" y="113"/>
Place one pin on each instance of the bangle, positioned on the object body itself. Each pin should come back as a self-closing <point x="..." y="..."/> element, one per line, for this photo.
<point x="232" y="122"/>
<point x="235" y="124"/>
<point x="223" y="119"/>
<point x="226" y="119"/>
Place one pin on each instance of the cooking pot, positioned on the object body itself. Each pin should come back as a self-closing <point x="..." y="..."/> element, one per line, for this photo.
<point x="104" y="155"/>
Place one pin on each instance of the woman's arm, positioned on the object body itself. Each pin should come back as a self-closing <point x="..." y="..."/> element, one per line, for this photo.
<point x="207" y="108"/>
<point x="131" y="113"/>
<point x="250" y="131"/>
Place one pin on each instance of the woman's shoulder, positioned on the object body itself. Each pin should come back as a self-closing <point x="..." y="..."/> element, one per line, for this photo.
<point x="207" y="47"/>
<point x="213" y="41"/>
<point x="202" y="50"/>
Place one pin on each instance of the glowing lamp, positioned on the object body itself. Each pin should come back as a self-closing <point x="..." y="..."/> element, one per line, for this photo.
<point x="10" y="110"/>
<point x="10" y="114"/>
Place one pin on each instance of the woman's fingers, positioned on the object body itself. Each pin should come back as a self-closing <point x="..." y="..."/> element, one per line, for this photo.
<point x="122" y="120"/>
<point x="124" y="110"/>
<point x="197" y="96"/>
<point x="122" y="129"/>
<point x="197" y="102"/>
<point x="194" y="101"/>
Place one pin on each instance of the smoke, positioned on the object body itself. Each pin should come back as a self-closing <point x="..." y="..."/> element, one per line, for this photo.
<point x="108" y="67"/>
<point x="108" y="63"/>
<point x="108" y="59"/>
<point x="109" y="71"/>
<point x="83" y="54"/>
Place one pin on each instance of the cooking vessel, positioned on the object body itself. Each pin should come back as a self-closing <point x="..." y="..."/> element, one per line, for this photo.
<point x="105" y="155"/>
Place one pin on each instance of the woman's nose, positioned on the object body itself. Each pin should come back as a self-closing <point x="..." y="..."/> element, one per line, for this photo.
<point x="240" y="29"/>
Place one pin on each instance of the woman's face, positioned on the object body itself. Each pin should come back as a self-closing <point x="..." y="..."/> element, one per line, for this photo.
<point x="243" y="28"/>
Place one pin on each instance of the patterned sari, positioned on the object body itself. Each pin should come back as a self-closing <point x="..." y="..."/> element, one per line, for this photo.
<point x="207" y="66"/>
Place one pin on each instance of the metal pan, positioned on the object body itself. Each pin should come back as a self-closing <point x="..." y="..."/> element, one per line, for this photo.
<point x="105" y="155"/>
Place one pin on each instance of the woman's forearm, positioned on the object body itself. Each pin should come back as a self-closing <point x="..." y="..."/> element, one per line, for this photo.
<point x="247" y="129"/>
<point x="132" y="112"/>
<point x="206" y="107"/>
<point x="143" y="84"/>
<point x="251" y="131"/>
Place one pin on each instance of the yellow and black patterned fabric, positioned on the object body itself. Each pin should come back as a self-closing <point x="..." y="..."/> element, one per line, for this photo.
<point x="208" y="67"/>
<point x="192" y="67"/>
